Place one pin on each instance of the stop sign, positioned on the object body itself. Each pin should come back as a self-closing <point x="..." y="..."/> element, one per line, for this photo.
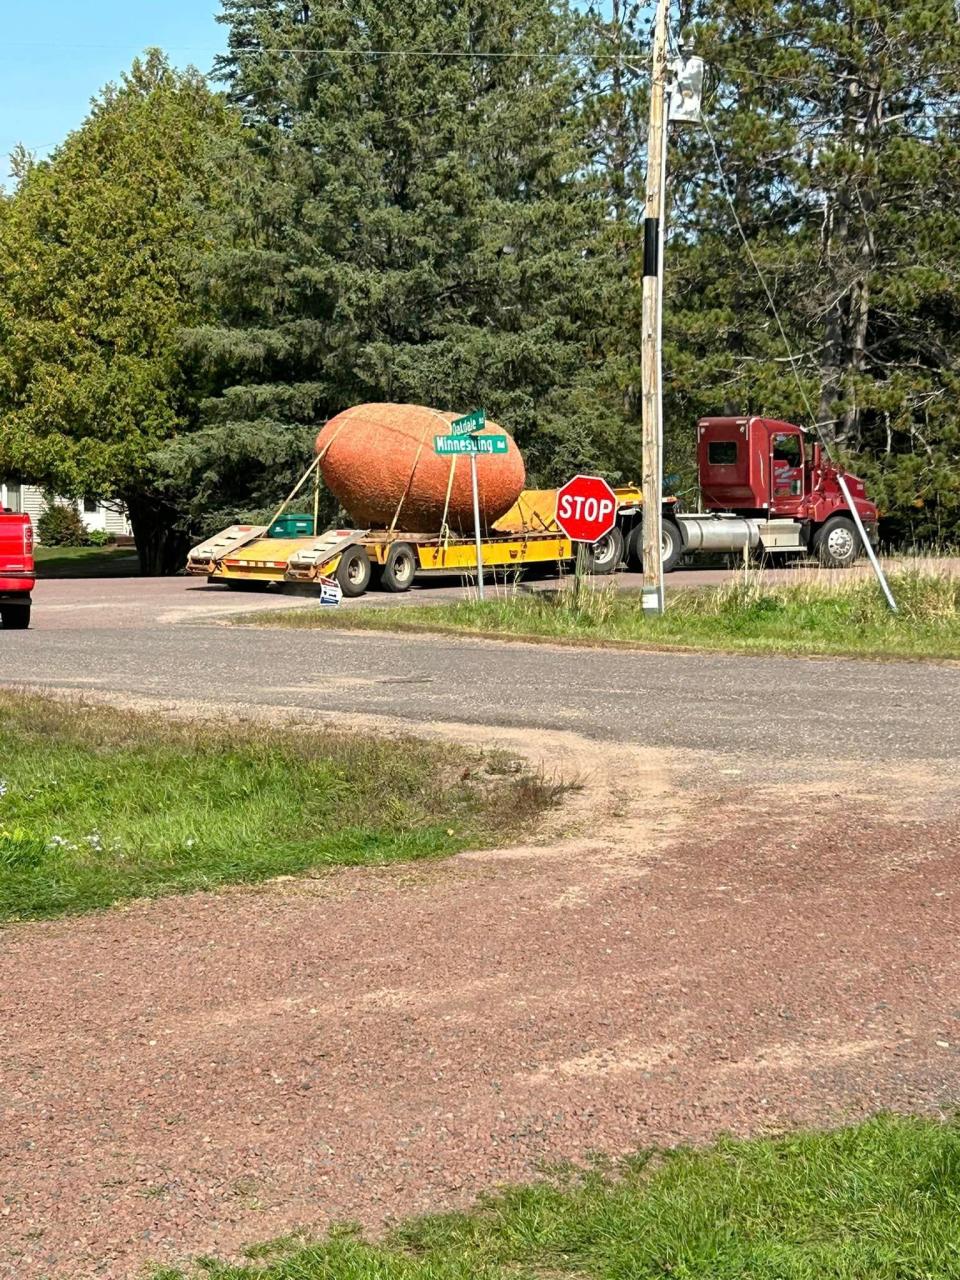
<point x="586" y="509"/>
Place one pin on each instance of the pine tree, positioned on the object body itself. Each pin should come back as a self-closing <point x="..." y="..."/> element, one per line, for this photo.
<point x="417" y="222"/>
<point x="837" y="128"/>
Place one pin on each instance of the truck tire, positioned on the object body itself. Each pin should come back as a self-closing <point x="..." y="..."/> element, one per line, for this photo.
<point x="608" y="552"/>
<point x="354" y="572"/>
<point x="672" y="545"/>
<point x="836" y="543"/>
<point x="399" y="569"/>
<point x="15" y="617"/>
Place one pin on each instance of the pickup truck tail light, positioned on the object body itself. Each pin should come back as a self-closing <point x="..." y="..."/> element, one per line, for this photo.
<point x="28" y="539"/>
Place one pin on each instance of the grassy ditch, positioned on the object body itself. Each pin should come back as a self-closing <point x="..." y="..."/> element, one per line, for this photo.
<point x="97" y="806"/>
<point x="823" y="613"/>
<point x="877" y="1202"/>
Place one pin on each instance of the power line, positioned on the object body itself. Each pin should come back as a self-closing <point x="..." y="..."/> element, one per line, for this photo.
<point x="724" y="186"/>
<point x="817" y="426"/>
<point x="338" y="52"/>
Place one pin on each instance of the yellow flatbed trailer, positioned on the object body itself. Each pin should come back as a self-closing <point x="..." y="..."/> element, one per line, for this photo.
<point x="244" y="556"/>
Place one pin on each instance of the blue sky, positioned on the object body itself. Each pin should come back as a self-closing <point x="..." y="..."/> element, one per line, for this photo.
<point x="55" y="55"/>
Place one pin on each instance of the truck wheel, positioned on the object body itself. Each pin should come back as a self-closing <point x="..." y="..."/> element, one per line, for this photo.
<point x="353" y="571"/>
<point x="400" y="568"/>
<point x="837" y="543"/>
<point x="608" y="552"/>
<point x="634" y="550"/>
<point x="671" y="544"/>
<point x="15" y="617"/>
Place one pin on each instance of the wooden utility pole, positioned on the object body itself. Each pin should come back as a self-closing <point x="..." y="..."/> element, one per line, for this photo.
<point x="652" y="329"/>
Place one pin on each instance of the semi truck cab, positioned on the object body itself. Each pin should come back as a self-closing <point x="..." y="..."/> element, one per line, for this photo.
<point x="773" y="477"/>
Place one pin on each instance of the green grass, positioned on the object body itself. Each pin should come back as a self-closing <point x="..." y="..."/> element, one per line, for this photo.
<point x="824" y="613"/>
<point x="86" y="562"/>
<point x="98" y="806"/>
<point x="880" y="1201"/>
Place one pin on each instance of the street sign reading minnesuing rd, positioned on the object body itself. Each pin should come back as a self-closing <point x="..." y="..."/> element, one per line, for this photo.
<point x="471" y="422"/>
<point x="448" y="446"/>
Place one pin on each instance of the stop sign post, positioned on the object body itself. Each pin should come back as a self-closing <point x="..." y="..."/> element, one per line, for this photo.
<point x="586" y="509"/>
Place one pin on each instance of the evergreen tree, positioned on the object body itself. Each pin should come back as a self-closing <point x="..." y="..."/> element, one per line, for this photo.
<point x="837" y="128"/>
<point x="93" y="293"/>
<point x="417" y="222"/>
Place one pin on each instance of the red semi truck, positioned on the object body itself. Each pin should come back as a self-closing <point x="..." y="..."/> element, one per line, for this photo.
<point x="766" y="487"/>
<point x="17" y="575"/>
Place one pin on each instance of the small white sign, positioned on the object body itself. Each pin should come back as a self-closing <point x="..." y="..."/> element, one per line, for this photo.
<point x="330" y="591"/>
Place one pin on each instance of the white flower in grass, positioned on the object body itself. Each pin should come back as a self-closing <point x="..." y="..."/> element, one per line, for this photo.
<point x="3" y="787"/>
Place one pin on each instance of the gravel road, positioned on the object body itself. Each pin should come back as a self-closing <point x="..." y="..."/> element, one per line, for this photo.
<point x="747" y="920"/>
<point x="185" y="1076"/>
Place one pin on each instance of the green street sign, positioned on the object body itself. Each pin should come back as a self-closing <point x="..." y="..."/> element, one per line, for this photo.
<point x="475" y="421"/>
<point x="451" y="446"/>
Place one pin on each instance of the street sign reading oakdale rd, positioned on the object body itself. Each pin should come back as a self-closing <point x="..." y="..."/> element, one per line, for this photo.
<point x="586" y="509"/>
<point x="469" y="423"/>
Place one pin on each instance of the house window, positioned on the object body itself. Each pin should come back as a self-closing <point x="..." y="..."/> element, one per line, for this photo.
<point x="722" y="453"/>
<point x="90" y="506"/>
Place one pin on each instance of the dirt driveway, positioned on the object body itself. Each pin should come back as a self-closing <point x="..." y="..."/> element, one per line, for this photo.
<point x="686" y="952"/>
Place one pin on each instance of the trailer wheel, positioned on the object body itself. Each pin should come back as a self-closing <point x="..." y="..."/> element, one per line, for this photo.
<point x="837" y="543"/>
<point x="400" y="568"/>
<point x="15" y="617"/>
<point x="608" y="552"/>
<point x="671" y="544"/>
<point x="353" y="571"/>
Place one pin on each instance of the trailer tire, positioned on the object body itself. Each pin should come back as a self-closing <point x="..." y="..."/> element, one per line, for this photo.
<point x="354" y="571"/>
<point x="672" y="545"/>
<point x="15" y="617"/>
<point x="836" y="543"/>
<point x="399" y="568"/>
<point x="608" y="552"/>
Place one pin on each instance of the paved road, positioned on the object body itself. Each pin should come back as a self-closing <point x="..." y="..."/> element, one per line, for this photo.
<point x="772" y="706"/>
<point x="145" y="602"/>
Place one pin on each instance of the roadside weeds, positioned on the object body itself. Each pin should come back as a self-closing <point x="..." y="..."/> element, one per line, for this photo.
<point x="825" y="615"/>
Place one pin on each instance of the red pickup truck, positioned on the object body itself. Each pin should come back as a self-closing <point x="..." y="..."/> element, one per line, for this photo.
<point x="17" y="576"/>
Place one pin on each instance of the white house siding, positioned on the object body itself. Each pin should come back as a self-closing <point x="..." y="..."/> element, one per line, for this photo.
<point x="28" y="498"/>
